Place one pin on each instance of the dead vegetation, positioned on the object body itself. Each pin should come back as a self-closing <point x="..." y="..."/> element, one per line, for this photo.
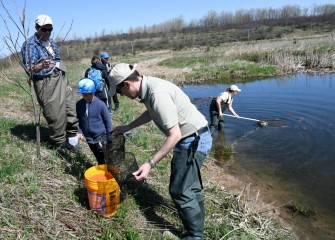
<point x="48" y="199"/>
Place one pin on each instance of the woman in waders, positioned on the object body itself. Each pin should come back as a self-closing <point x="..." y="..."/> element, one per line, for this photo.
<point x="218" y="106"/>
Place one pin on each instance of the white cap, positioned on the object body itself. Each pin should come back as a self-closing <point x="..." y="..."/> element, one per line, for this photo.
<point x="235" y="88"/>
<point x="42" y="20"/>
<point x="119" y="73"/>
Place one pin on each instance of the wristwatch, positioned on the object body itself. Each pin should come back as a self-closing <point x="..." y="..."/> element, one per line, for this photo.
<point x="151" y="163"/>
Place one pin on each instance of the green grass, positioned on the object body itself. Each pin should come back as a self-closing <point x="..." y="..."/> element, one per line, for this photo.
<point x="324" y="49"/>
<point x="182" y="62"/>
<point x="251" y="70"/>
<point x="10" y="160"/>
<point x="215" y="67"/>
<point x="76" y="71"/>
<point x="48" y="198"/>
<point x="11" y="89"/>
<point x="238" y="71"/>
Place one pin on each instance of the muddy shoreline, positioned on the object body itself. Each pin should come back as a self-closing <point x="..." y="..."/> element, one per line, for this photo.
<point x="237" y="181"/>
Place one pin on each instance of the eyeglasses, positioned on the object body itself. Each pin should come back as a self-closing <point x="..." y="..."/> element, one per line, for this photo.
<point x="46" y="29"/>
<point x="119" y="87"/>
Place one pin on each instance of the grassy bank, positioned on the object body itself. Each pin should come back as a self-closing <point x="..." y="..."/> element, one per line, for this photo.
<point x="240" y="61"/>
<point x="47" y="198"/>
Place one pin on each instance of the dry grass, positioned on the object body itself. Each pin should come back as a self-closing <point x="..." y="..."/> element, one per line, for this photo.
<point x="48" y="199"/>
<point x="290" y="55"/>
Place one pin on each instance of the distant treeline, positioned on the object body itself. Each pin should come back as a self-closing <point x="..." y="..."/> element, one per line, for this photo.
<point x="226" y="20"/>
<point x="209" y="31"/>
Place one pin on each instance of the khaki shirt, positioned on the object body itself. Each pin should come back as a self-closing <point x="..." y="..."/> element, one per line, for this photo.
<point x="168" y="105"/>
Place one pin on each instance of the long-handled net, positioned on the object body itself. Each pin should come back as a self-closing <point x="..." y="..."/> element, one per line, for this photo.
<point x="120" y="163"/>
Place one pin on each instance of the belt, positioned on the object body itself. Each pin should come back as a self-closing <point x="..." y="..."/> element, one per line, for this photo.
<point x="38" y="77"/>
<point x="198" y="132"/>
<point x="41" y="77"/>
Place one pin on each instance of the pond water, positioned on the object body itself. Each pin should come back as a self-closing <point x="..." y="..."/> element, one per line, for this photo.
<point x="293" y="158"/>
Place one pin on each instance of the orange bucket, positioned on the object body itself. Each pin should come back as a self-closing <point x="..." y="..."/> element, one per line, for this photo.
<point x="103" y="191"/>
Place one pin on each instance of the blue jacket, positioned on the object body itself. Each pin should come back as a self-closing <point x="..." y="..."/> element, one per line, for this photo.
<point x="98" y="65"/>
<point x="98" y="122"/>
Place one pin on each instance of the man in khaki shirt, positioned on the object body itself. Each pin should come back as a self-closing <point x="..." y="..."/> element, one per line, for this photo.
<point x="186" y="132"/>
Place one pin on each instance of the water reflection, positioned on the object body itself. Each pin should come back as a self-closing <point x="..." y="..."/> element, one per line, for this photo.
<point x="293" y="157"/>
<point x="221" y="152"/>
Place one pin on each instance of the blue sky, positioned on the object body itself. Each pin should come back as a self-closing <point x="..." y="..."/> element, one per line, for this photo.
<point x="94" y="17"/>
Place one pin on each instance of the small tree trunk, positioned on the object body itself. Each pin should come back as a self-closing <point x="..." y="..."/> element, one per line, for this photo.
<point x="38" y="142"/>
<point x="37" y="122"/>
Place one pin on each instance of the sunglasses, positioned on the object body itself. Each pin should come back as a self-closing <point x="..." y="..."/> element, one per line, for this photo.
<point x="46" y="29"/>
<point x="119" y="87"/>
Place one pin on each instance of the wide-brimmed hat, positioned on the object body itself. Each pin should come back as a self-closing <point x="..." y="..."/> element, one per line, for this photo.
<point x="119" y="73"/>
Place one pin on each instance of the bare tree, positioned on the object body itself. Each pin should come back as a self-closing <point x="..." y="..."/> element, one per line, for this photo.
<point x="12" y="42"/>
<point x="210" y="20"/>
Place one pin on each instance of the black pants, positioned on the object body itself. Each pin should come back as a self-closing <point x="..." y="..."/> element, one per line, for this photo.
<point x="102" y="95"/>
<point x="115" y="101"/>
<point x="216" y="119"/>
<point x="98" y="153"/>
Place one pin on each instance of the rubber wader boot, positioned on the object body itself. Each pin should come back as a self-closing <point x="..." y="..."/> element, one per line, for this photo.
<point x="211" y="128"/>
<point x="194" y="224"/>
<point x="202" y="207"/>
<point x="62" y="150"/>
<point x="220" y="126"/>
<point x="116" y="106"/>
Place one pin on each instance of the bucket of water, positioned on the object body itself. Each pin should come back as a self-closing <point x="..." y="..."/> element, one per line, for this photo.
<point x="103" y="191"/>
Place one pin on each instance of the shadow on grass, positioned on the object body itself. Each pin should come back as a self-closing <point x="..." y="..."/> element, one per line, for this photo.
<point x="78" y="163"/>
<point x="148" y="201"/>
<point x="27" y="132"/>
<point x="81" y="193"/>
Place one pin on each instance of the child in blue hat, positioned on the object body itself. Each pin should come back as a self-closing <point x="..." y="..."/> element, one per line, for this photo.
<point x="95" y="121"/>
